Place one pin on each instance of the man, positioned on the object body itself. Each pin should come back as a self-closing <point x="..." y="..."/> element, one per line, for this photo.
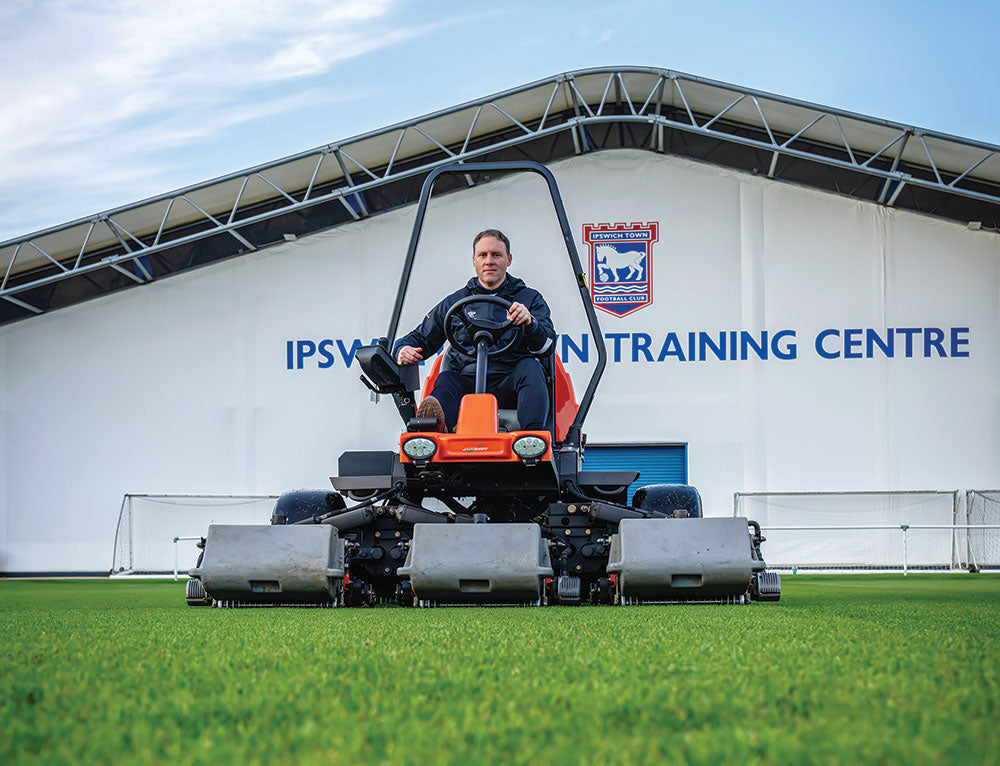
<point x="514" y="377"/>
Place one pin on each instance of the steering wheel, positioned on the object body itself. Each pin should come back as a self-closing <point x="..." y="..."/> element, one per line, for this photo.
<point x="480" y="328"/>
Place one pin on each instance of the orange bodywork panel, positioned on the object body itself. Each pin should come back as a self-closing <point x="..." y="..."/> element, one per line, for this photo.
<point x="476" y="437"/>
<point x="565" y="405"/>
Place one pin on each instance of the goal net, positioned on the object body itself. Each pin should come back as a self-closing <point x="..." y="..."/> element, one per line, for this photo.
<point x="857" y="530"/>
<point x="148" y="524"/>
<point x="982" y="539"/>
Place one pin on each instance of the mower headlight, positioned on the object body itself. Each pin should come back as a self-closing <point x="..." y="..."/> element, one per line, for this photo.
<point x="419" y="448"/>
<point x="529" y="447"/>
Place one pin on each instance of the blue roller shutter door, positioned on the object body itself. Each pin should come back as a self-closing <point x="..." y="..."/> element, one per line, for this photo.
<point x="659" y="464"/>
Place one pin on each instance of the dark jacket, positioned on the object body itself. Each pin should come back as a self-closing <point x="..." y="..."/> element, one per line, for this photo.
<point x="539" y="336"/>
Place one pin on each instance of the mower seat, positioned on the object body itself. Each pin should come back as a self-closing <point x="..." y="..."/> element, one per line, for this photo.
<point x="506" y="419"/>
<point x="562" y="400"/>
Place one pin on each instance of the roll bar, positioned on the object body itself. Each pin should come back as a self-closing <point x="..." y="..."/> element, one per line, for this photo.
<point x="573" y="436"/>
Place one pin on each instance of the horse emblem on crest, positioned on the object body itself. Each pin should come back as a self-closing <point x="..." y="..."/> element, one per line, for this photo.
<point x="620" y="260"/>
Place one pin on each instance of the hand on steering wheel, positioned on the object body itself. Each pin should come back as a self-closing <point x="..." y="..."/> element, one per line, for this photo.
<point x="480" y="328"/>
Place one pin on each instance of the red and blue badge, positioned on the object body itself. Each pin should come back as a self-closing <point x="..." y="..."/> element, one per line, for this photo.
<point x="621" y="258"/>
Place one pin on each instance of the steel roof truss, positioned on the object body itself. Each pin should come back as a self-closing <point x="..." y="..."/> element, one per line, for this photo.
<point x="350" y="182"/>
<point x="126" y="272"/>
<point x="452" y="142"/>
<point x="22" y="304"/>
<point x="10" y="266"/>
<point x="680" y="92"/>
<point x="280" y="191"/>
<point x="969" y="170"/>
<point x="930" y="159"/>
<point x="170" y="204"/>
<point x="232" y="213"/>
<point x="218" y="223"/>
<point x="541" y="124"/>
<point x="312" y="179"/>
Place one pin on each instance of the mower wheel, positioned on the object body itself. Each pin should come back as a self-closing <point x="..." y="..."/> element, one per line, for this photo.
<point x="404" y="593"/>
<point x="677" y="501"/>
<point x="303" y="504"/>
<point x="601" y="593"/>
<point x="358" y="593"/>
<point x="195" y="594"/>
<point x="765" y="586"/>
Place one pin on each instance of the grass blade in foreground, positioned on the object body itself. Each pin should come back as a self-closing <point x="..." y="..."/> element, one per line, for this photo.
<point x="872" y="668"/>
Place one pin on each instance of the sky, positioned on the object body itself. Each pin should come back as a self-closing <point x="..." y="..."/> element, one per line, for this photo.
<point x="106" y="102"/>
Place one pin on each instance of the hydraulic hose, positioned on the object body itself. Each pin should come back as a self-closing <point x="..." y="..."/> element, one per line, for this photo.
<point x="395" y="489"/>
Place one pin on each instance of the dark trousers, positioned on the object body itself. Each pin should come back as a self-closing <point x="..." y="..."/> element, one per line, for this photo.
<point x="524" y="388"/>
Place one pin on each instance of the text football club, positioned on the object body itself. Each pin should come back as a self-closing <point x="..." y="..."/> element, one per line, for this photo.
<point x="621" y="258"/>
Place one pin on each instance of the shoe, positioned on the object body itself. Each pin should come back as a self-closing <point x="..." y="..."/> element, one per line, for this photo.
<point x="431" y="408"/>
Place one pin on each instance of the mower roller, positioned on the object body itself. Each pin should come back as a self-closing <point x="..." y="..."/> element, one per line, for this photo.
<point x="489" y="514"/>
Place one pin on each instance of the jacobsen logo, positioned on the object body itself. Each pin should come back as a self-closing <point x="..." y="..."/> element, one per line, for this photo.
<point x="620" y="259"/>
<point x="474" y="449"/>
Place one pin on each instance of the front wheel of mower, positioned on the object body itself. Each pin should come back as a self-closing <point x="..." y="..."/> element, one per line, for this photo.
<point x="195" y="594"/>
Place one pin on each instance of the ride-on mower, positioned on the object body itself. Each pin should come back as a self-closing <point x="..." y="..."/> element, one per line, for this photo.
<point x="489" y="514"/>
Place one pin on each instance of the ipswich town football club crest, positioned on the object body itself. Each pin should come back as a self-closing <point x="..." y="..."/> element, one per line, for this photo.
<point x="621" y="258"/>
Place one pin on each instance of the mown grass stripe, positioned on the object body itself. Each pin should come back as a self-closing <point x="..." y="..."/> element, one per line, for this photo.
<point x="873" y="668"/>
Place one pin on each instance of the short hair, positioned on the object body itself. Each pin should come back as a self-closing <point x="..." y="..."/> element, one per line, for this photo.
<point x="496" y="234"/>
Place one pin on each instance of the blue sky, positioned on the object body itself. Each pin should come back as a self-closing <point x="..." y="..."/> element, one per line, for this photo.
<point x="111" y="101"/>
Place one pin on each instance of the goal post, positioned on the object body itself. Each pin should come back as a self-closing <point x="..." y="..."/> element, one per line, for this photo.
<point x="154" y="533"/>
<point x="861" y="531"/>
<point x="982" y="538"/>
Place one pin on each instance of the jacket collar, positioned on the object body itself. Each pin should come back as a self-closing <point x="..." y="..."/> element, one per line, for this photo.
<point x="509" y="286"/>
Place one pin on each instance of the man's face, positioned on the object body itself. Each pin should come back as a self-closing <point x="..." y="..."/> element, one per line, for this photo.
<point x="491" y="261"/>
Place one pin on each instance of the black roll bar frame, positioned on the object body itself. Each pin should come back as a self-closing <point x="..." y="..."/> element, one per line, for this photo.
<point x="573" y="437"/>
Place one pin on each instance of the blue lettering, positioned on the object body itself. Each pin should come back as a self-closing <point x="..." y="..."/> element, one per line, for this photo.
<point x="821" y="350"/>
<point x="303" y="350"/>
<point x="852" y="344"/>
<point x="616" y="337"/>
<point x="640" y="344"/>
<point x="873" y="339"/>
<point x="671" y="347"/>
<point x="704" y="339"/>
<point x="289" y="357"/>
<point x="746" y="339"/>
<point x="348" y="356"/>
<point x="932" y="339"/>
<point x="908" y="333"/>
<point x="324" y="351"/>
<point x="791" y="349"/>
<point x="958" y="342"/>
<point x="583" y="354"/>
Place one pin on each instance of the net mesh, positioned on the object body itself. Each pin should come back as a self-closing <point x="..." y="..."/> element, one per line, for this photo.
<point x="148" y="524"/>
<point x="983" y="545"/>
<point x="858" y="548"/>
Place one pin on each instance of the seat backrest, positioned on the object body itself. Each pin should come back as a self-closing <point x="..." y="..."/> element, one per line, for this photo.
<point x="563" y="405"/>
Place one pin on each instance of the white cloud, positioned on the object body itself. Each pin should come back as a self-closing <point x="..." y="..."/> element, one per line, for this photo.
<point x="94" y="92"/>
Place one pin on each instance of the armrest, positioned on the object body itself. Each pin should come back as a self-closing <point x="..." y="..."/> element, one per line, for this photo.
<point x="384" y="373"/>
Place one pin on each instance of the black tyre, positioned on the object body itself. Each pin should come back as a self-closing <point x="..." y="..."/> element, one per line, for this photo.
<point x="765" y="586"/>
<point x="302" y="504"/>
<point x="404" y="593"/>
<point x="676" y="501"/>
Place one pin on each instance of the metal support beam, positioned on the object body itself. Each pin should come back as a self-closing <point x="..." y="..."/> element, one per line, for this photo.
<point x="662" y="110"/>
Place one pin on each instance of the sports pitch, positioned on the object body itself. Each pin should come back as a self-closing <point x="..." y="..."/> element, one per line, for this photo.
<point x="870" y="669"/>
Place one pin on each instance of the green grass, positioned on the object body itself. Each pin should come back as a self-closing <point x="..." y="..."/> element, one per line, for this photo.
<point x="870" y="669"/>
